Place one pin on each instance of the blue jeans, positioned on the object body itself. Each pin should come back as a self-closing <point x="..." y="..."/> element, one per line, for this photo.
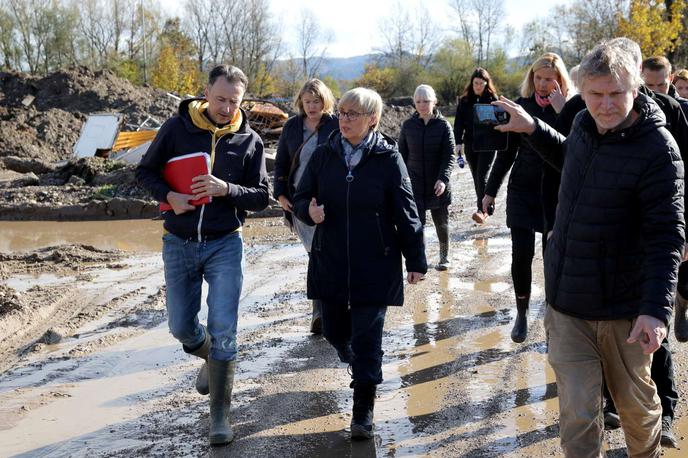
<point x="187" y="264"/>
<point x="356" y="334"/>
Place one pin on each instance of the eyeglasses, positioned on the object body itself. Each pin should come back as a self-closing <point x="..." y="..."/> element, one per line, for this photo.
<point x="350" y="115"/>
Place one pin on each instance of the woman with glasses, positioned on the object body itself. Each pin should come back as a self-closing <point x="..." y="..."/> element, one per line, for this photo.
<point x="357" y="193"/>
<point x="301" y="134"/>
<point x="479" y="90"/>
<point x="426" y="143"/>
<point x="544" y="92"/>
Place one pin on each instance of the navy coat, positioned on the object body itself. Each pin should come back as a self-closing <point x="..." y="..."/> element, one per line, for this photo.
<point x="369" y="222"/>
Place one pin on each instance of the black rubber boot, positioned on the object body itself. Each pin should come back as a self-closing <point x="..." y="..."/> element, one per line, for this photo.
<point x="316" y="317"/>
<point x="221" y="377"/>
<point x="364" y="403"/>
<point x="202" y="352"/>
<point x="680" y="319"/>
<point x="443" y="236"/>
<point x="520" y="330"/>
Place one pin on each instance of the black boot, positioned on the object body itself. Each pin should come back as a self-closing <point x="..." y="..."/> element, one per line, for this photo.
<point x="202" y="352"/>
<point x="221" y="377"/>
<point x="364" y="402"/>
<point x="667" y="439"/>
<point x="443" y="236"/>
<point x="520" y="329"/>
<point x="316" y="317"/>
<point x="680" y="319"/>
<point x="611" y="417"/>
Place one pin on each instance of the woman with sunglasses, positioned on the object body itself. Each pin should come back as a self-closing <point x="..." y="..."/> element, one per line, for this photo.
<point x="426" y="143"/>
<point x="357" y="193"/>
<point x="301" y="134"/>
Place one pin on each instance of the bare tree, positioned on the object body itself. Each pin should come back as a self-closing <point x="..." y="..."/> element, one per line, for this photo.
<point x="478" y="21"/>
<point x="312" y="41"/>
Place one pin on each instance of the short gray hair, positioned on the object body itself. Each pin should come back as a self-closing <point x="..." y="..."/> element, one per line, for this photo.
<point x="610" y="58"/>
<point x="425" y="90"/>
<point x="629" y="46"/>
<point x="366" y="100"/>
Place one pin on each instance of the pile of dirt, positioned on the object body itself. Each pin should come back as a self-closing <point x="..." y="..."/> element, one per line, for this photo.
<point x="50" y="125"/>
<point x="9" y="300"/>
<point x="393" y="117"/>
<point x="57" y="259"/>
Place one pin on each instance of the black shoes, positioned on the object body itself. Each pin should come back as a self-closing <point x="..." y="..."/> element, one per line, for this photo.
<point x="611" y="417"/>
<point x="520" y="330"/>
<point x="668" y="440"/>
<point x="364" y="403"/>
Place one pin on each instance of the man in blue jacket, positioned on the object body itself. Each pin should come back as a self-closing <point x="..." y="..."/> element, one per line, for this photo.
<point x="204" y="242"/>
<point x="611" y="262"/>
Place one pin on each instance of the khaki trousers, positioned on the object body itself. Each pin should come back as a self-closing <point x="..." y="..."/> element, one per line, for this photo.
<point x="582" y="352"/>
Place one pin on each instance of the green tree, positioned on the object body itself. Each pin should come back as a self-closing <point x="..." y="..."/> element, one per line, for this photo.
<point x="381" y="79"/>
<point x="333" y="85"/>
<point x="451" y="69"/>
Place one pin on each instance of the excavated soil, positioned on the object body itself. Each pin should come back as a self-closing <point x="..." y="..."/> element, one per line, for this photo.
<point x="40" y="180"/>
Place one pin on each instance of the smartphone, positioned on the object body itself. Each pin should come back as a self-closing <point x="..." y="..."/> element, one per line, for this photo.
<point x="490" y="115"/>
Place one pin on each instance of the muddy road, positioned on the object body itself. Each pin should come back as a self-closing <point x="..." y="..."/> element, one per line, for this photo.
<point x="88" y="368"/>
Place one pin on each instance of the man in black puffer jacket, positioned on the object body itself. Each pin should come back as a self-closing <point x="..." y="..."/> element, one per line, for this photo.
<point x="610" y="265"/>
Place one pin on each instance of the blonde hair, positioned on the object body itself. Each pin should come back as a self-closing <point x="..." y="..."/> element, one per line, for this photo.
<point x="365" y="100"/>
<point x="320" y="90"/>
<point x="548" y="60"/>
<point x="680" y="75"/>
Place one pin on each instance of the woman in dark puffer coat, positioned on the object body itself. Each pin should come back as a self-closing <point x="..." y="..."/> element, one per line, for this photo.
<point x="543" y="94"/>
<point x="426" y="143"/>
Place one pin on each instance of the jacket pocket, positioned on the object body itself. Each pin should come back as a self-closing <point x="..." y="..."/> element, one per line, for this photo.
<point x="385" y="247"/>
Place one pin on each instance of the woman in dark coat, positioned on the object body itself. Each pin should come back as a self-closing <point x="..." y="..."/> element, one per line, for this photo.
<point x="357" y="193"/>
<point x="300" y="136"/>
<point x="479" y="90"/>
<point x="543" y="94"/>
<point x="426" y="143"/>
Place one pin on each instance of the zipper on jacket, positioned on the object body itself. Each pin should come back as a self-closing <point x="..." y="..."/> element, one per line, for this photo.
<point x="348" y="246"/>
<point x="574" y="201"/>
<point x="213" y="146"/>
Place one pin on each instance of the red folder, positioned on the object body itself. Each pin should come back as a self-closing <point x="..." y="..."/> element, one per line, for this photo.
<point x="179" y="171"/>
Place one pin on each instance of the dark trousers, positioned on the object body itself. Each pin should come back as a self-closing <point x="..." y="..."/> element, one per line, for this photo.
<point x="662" y="373"/>
<point x="356" y="334"/>
<point x="440" y="217"/>
<point x="522" y="252"/>
<point x="480" y="163"/>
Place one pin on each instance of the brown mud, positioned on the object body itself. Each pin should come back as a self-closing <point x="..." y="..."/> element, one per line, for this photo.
<point x="88" y="368"/>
